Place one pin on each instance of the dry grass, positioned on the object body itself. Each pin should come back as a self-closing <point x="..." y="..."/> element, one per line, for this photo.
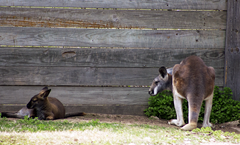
<point x="75" y="137"/>
<point x="63" y="132"/>
<point x="130" y="135"/>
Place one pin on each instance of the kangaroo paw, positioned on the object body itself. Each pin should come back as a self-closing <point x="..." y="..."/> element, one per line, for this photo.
<point x="189" y="126"/>
<point x="208" y="125"/>
<point x="50" y="118"/>
<point x="176" y="122"/>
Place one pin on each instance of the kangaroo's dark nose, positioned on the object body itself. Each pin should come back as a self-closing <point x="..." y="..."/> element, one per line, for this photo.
<point x="150" y="92"/>
<point x="28" y="106"/>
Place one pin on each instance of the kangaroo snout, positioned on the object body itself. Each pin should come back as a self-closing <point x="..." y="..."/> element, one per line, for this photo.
<point x="29" y="106"/>
<point x="150" y="92"/>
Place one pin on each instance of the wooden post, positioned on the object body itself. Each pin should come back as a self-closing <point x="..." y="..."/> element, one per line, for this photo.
<point x="232" y="48"/>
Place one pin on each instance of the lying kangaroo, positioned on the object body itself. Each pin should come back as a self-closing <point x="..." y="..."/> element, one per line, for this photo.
<point x="191" y="80"/>
<point x="43" y="107"/>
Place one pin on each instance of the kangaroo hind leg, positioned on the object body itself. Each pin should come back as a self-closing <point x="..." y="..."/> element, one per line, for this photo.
<point x="207" y="112"/>
<point x="194" y="106"/>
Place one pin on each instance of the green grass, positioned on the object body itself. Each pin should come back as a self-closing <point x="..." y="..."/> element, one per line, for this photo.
<point x="35" y="125"/>
<point x="33" y="131"/>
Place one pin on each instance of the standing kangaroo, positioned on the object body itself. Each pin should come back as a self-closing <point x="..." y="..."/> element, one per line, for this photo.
<point x="191" y="80"/>
<point x="43" y="107"/>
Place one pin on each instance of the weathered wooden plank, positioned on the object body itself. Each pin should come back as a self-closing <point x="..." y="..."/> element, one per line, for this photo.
<point x="10" y="107"/>
<point x="83" y="76"/>
<point x="111" y="38"/>
<point x="232" y="59"/>
<point x="131" y="4"/>
<point x="110" y="109"/>
<point x="93" y="18"/>
<point x="102" y="109"/>
<point x="75" y="76"/>
<point x="108" y="100"/>
<point x="78" y="95"/>
<point x="104" y="57"/>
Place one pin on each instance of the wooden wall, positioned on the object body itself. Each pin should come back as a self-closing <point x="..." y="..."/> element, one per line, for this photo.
<point x="101" y="56"/>
<point x="232" y="49"/>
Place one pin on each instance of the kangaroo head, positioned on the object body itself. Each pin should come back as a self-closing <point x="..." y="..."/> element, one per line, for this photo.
<point x="161" y="82"/>
<point x="39" y="100"/>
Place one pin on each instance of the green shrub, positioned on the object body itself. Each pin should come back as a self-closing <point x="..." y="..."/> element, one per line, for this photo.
<point x="224" y="108"/>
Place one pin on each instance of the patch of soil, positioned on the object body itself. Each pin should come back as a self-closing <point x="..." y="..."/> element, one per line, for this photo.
<point x="131" y="119"/>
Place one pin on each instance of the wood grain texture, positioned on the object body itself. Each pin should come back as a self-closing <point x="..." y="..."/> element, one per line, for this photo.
<point x="110" y="109"/>
<point x="112" y="57"/>
<point x="83" y="76"/>
<point x="107" y="100"/>
<point x="28" y="17"/>
<point x="78" y="95"/>
<point x="105" y="57"/>
<point x="232" y="49"/>
<point x="102" y="109"/>
<point x="111" y="38"/>
<point x="132" y="4"/>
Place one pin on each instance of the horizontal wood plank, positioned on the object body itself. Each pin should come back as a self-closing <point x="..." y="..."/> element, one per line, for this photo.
<point x="112" y="38"/>
<point x="78" y="95"/>
<point x="83" y="76"/>
<point x="107" y="100"/>
<point x="131" y="4"/>
<point x="105" y="57"/>
<point x="82" y="18"/>
<point x="110" y="109"/>
<point x="106" y="109"/>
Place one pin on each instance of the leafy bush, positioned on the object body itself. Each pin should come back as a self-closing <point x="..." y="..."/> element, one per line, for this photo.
<point x="224" y="108"/>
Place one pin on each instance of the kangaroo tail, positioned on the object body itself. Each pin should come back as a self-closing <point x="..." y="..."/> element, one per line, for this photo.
<point x="74" y="114"/>
<point x="11" y="115"/>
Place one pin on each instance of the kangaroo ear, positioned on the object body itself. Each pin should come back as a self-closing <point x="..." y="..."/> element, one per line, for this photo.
<point x="163" y="71"/>
<point x="45" y="93"/>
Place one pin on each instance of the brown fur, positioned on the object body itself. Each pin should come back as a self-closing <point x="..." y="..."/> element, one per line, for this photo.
<point x="43" y="107"/>
<point x="195" y="82"/>
<point x="192" y="80"/>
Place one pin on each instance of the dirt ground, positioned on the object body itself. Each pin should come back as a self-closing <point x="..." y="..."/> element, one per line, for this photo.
<point x="130" y="119"/>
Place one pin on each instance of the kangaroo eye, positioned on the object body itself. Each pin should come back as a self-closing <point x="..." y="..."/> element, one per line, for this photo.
<point x="156" y="82"/>
<point x="34" y="100"/>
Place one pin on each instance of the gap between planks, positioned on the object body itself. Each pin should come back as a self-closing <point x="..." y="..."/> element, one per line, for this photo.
<point x="129" y="9"/>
